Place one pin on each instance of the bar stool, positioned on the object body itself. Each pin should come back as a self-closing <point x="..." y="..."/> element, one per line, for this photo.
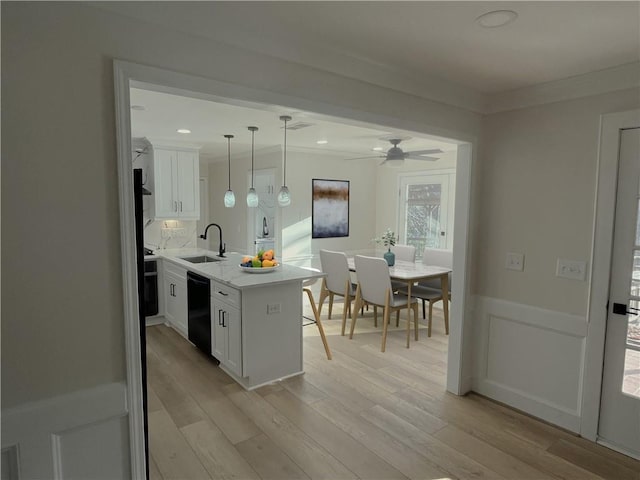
<point x="305" y="288"/>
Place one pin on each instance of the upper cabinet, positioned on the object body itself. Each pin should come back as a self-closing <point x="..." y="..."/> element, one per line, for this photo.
<point x="176" y="183"/>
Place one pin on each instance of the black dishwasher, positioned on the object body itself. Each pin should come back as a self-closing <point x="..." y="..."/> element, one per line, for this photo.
<point x="199" y="308"/>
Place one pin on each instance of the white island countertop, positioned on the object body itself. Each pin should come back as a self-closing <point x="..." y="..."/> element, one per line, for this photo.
<point x="228" y="270"/>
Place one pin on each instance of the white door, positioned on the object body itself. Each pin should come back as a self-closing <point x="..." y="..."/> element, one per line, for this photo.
<point x="425" y="217"/>
<point x="619" y="424"/>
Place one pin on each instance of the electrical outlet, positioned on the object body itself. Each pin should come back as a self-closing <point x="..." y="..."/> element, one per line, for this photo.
<point x="572" y="269"/>
<point x="515" y="261"/>
<point x="273" y="308"/>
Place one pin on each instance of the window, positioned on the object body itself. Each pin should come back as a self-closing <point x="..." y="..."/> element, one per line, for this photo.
<point x="426" y="210"/>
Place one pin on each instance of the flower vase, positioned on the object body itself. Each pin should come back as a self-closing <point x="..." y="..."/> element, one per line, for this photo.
<point x="390" y="257"/>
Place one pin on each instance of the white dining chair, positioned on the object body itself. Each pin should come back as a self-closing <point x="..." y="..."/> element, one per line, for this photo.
<point x="337" y="282"/>
<point x="430" y="290"/>
<point x="374" y="287"/>
<point x="403" y="253"/>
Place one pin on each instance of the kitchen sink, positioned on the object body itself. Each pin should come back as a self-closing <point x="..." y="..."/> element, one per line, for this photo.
<point x="201" y="259"/>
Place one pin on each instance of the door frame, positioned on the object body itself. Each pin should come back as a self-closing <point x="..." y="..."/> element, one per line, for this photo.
<point x="128" y="74"/>
<point x="603" y="230"/>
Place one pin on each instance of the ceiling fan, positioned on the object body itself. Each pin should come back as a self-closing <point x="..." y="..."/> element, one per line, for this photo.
<point x="395" y="156"/>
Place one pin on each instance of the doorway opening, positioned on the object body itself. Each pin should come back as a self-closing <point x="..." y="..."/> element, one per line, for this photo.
<point x="129" y="75"/>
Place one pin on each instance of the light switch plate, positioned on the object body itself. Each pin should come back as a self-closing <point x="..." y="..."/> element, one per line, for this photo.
<point x="273" y="308"/>
<point x="572" y="269"/>
<point x="515" y="261"/>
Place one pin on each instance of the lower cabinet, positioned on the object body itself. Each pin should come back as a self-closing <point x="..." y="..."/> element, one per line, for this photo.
<point x="175" y="295"/>
<point x="226" y="327"/>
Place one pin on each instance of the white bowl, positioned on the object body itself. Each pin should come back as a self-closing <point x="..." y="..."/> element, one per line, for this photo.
<point x="259" y="269"/>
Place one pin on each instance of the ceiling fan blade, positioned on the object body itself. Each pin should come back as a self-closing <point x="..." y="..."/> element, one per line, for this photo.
<point x="362" y="158"/>
<point x="423" y="152"/>
<point x="421" y="157"/>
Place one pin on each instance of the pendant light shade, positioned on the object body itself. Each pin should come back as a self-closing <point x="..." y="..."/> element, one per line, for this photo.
<point x="229" y="197"/>
<point x="284" y="197"/>
<point x="252" y="196"/>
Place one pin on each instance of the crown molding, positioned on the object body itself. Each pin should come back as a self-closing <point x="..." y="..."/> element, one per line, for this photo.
<point x="622" y="77"/>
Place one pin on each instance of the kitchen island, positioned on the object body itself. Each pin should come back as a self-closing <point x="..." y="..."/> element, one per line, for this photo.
<point x="256" y="327"/>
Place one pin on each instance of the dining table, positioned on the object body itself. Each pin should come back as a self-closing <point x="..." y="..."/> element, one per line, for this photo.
<point x="412" y="272"/>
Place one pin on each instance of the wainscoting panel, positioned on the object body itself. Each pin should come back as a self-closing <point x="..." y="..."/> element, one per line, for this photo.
<point x="81" y="435"/>
<point x="531" y="359"/>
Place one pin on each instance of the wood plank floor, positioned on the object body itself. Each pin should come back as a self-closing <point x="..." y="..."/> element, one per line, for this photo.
<point x="364" y="414"/>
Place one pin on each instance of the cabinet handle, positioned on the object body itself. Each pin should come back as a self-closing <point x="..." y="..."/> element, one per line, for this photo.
<point x="223" y="294"/>
<point x="175" y="206"/>
<point x="180" y="205"/>
<point x="173" y="289"/>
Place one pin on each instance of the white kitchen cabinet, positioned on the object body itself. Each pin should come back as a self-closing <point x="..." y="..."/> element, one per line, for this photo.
<point x="175" y="294"/>
<point x="226" y="328"/>
<point x="176" y="183"/>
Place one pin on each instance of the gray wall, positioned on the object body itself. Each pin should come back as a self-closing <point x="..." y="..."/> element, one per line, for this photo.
<point x="62" y="325"/>
<point x="536" y="195"/>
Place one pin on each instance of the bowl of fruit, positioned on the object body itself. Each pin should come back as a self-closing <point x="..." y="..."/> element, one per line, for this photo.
<point x="263" y="262"/>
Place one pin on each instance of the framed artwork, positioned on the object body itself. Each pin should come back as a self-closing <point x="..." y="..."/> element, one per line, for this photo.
<point x="329" y="208"/>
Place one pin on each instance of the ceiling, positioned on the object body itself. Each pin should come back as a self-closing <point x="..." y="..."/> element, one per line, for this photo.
<point x="208" y="121"/>
<point x="420" y="40"/>
<point x="417" y="46"/>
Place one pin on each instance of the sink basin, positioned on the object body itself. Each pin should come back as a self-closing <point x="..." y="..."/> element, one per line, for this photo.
<point x="201" y="259"/>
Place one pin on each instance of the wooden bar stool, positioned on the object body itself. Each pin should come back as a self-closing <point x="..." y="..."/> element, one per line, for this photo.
<point x="305" y="288"/>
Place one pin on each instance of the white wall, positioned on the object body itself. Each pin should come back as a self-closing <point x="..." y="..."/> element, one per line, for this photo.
<point x="295" y="220"/>
<point x="537" y="196"/>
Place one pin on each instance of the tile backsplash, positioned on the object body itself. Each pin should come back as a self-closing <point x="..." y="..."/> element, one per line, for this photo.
<point x="161" y="234"/>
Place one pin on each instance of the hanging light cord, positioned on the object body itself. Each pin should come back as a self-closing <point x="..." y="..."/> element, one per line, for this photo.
<point x="253" y="132"/>
<point x="229" y="158"/>
<point x="284" y="175"/>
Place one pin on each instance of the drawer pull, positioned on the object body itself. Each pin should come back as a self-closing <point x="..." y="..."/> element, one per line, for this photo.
<point x="223" y="294"/>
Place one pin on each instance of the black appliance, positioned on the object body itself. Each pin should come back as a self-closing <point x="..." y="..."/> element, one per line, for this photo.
<point x="150" y="288"/>
<point x="199" y="311"/>
<point x="140" y="252"/>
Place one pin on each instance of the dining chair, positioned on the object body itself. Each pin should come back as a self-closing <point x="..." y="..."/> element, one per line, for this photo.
<point x="430" y="290"/>
<point x="374" y="287"/>
<point x="337" y="282"/>
<point x="316" y="315"/>
<point x="404" y="253"/>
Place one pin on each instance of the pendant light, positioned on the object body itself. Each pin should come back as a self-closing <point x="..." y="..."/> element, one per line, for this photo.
<point x="229" y="197"/>
<point x="252" y="196"/>
<point x="284" y="197"/>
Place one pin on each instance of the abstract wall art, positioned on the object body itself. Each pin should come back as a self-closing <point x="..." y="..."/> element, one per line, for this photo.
<point x="330" y="208"/>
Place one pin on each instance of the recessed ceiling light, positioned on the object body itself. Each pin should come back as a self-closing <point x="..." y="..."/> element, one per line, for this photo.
<point x="183" y="130"/>
<point x="322" y="142"/>
<point x="497" y="18"/>
<point x="377" y="149"/>
<point x="138" y="107"/>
